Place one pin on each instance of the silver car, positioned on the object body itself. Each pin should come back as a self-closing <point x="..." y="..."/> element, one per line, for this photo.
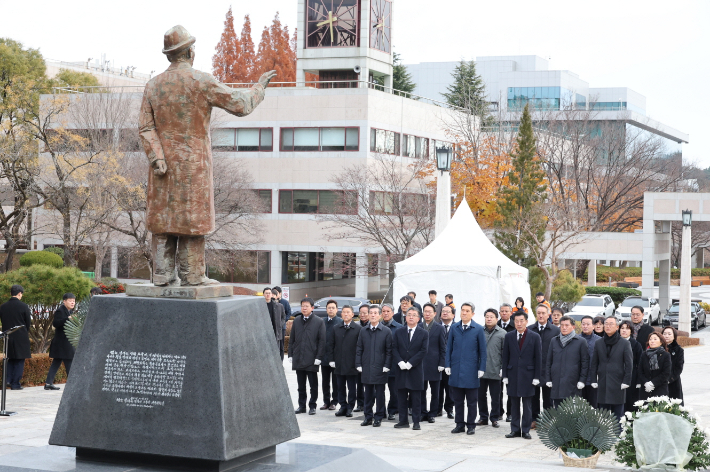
<point x="651" y="309"/>
<point x="595" y="305"/>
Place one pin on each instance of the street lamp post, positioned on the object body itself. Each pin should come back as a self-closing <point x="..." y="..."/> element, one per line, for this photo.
<point x="444" y="156"/>
<point x="684" y="305"/>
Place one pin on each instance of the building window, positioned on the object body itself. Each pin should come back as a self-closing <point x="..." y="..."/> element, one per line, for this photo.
<point x="608" y="106"/>
<point x="242" y="139"/>
<point x="408" y="204"/>
<point x="247" y="267"/>
<point x="543" y="98"/>
<point x="336" y="265"/>
<point x="299" y="266"/>
<point x="381" y="203"/>
<point x="316" y="266"/>
<point x="265" y="198"/>
<point x="320" y="139"/>
<point x="384" y="142"/>
<point x="316" y="201"/>
<point x="414" y="146"/>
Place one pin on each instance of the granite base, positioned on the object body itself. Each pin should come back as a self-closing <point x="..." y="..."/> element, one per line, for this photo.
<point x="198" y="292"/>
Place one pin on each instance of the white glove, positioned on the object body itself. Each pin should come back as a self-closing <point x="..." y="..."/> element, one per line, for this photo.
<point x="649" y="386"/>
<point x="448" y="370"/>
<point x="332" y="365"/>
<point x="505" y="380"/>
<point x="595" y="385"/>
<point x="290" y="359"/>
<point x="480" y="374"/>
<point x="402" y="365"/>
<point x="580" y="385"/>
<point x="409" y="366"/>
<point x="638" y="385"/>
<point x="536" y="382"/>
<point x="316" y="362"/>
<point x="624" y="386"/>
<point x="385" y="369"/>
<point x="441" y="368"/>
<point x="548" y="384"/>
<point x="500" y="374"/>
<point x="359" y="369"/>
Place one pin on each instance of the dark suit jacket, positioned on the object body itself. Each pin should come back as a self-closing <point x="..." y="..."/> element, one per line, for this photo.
<point x="15" y="312"/>
<point x="341" y="348"/>
<point x="550" y="332"/>
<point x="307" y="343"/>
<point x="374" y="351"/>
<point x="510" y="327"/>
<point x="612" y="369"/>
<point x="329" y="325"/>
<point x="414" y="352"/>
<point x="522" y="366"/>
<point x="436" y="352"/>
<point x="644" y="332"/>
<point x="61" y="348"/>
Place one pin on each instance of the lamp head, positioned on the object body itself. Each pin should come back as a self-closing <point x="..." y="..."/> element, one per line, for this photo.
<point x="687" y="217"/>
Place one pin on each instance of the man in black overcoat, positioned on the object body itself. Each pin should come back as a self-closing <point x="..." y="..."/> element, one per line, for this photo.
<point x="306" y="348"/>
<point x="434" y="362"/>
<point x="522" y="369"/>
<point x="409" y="349"/>
<point x="506" y="322"/>
<point x="446" y="402"/>
<point x="374" y="361"/>
<point x="388" y="320"/>
<point x="567" y="363"/>
<point x="61" y="350"/>
<point x="332" y="320"/>
<point x="364" y="315"/>
<point x="547" y="332"/>
<point x="612" y="368"/>
<point x="13" y="313"/>
<point x="342" y="350"/>
<point x="641" y="330"/>
<point x="277" y="314"/>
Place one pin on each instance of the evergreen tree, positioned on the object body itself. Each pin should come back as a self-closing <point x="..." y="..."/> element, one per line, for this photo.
<point x="226" y="58"/>
<point x="401" y="78"/>
<point x="525" y="190"/>
<point x="247" y="58"/>
<point x="276" y="53"/>
<point x="468" y="91"/>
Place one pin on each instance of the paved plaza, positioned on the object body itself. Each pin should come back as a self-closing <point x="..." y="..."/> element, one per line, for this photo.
<point x="24" y="437"/>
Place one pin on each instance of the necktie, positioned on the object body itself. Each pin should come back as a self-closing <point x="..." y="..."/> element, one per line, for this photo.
<point x="542" y="328"/>
<point x="465" y="327"/>
<point x="505" y="325"/>
<point x="447" y="328"/>
<point x="410" y="333"/>
<point x="520" y="336"/>
<point x="305" y="319"/>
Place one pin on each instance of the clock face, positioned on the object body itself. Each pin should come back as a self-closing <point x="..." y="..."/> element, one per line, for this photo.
<point x="381" y="25"/>
<point x="332" y="23"/>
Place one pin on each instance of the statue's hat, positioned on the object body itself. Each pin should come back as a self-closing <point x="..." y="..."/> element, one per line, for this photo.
<point x="176" y="39"/>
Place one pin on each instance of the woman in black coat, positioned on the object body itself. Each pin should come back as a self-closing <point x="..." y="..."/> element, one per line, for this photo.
<point x="675" y="388"/>
<point x="61" y="349"/>
<point x="626" y="329"/>
<point x="655" y="368"/>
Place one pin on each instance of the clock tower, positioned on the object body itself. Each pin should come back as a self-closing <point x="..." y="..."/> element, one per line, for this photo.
<point x="345" y="40"/>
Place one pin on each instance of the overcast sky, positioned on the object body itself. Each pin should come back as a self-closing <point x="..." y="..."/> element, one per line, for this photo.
<point x="657" y="49"/>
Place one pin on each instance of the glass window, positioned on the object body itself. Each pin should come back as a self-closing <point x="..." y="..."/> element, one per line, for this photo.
<point x="305" y="201"/>
<point x="511" y="93"/>
<point x="332" y="139"/>
<point x="418" y="147"/>
<point x="248" y="139"/>
<point x="223" y="139"/>
<point x="373" y="140"/>
<point x="538" y="92"/>
<point x="263" y="267"/>
<point x="386" y="142"/>
<point x="265" y="197"/>
<point x="352" y="139"/>
<point x="266" y="140"/>
<point x="287" y="139"/>
<point x="285" y="201"/>
<point x="329" y="201"/>
<point x="305" y="139"/>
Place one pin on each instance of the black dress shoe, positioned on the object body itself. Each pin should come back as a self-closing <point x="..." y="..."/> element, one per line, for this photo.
<point x="527" y="436"/>
<point x="458" y="429"/>
<point x="366" y="422"/>
<point x="449" y="415"/>
<point x="390" y="416"/>
<point x="471" y="430"/>
<point x="416" y="427"/>
<point x="331" y="407"/>
<point x="312" y="411"/>
<point x="513" y="435"/>
<point x="22" y="388"/>
<point x="482" y="422"/>
<point x="410" y="412"/>
<point x="402" y="424"/>
<point x="495" y="424"/>
<point x="341" y="412"/>
<point x="431" y="419"/>
<point x="349" y="414"/>
<point x="439" y="413"/>
<point x="50" y="387"/>
<point x="508" y="419"/>
<point x="299" y="410"/>
<point x="377" y="423"/>
<point x="358" y="409"/>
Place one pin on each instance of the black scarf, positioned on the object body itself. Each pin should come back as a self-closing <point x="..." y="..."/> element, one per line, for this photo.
<point x="610" y="341"/>
<point x="653" y="356"/>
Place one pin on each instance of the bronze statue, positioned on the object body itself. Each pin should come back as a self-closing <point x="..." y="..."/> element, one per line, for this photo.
<point x="174" y="128"/>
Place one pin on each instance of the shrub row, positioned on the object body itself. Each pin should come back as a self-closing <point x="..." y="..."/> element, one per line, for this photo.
<point x="617" y="294"/>
<point x="36" y="370"/>
<point x="618" y="274"/>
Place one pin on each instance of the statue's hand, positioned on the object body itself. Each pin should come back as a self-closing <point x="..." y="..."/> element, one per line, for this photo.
<point x="160" y="167"/>
<point x="266" y="78"/>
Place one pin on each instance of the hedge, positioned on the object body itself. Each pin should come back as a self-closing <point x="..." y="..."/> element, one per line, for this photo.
<point x="36" y="370"/>
<point x="41" y="257"/>
<point x="618" y="274"/>
<point x="617" y="294"/>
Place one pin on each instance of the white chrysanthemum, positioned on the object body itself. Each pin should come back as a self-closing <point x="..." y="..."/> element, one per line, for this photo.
<point x="629" y="415"/>
<point x="676" y="401"/>
<point x="622" y="421"/>
<point x="623" y="434"/>
<point x="639" y="403"/>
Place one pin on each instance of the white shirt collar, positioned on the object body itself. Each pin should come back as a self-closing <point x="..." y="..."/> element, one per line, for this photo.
<point x="465" y="324"/>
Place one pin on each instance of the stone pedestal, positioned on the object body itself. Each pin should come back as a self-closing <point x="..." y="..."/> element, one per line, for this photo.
<point x="194" y="379"/>
<point x="188" y="292"/>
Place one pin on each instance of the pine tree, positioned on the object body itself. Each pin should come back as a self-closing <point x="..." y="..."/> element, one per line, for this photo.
<point x="276" y="52"/>
<point x="468" y="91"/>
<point x="525" y="190"/>
<point x="247" y="68"/>
<point x="226" y="57"/>
<point x="401" y="78"/>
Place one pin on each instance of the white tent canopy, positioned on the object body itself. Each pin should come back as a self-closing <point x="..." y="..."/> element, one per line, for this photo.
<point x="462" y="261"/>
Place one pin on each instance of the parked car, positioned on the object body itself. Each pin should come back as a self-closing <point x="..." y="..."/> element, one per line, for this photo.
<point x="594" y="305"/>
<point x="698" y="317"/>
<point x="651" y="309"/>
<point x="319" y="307"/>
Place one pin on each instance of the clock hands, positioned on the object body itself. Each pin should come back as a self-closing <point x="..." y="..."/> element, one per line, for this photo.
<point x="331" y="19"/>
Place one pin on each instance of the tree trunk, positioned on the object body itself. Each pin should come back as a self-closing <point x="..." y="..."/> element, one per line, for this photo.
<point x="9" y="258"/>
<point x="69" y="252"/>
<point x="98" y="267"/>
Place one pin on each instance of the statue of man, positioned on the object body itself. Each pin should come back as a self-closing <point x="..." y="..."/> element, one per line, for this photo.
<point x="174" y="128"/>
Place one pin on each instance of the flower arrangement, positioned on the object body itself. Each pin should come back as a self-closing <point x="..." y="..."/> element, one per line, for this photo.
<point x="626" y="451"/>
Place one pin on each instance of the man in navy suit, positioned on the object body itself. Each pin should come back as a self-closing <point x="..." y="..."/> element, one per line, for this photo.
<point x="522" y="367"/>
<point x="465" y="363"/>
<point x="409" y="347"/>
<point x="547" y="332"/>
<point x="433" y="362"/>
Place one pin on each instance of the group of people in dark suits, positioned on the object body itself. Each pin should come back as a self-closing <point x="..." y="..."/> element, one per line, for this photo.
<point x="461" y="364"/>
